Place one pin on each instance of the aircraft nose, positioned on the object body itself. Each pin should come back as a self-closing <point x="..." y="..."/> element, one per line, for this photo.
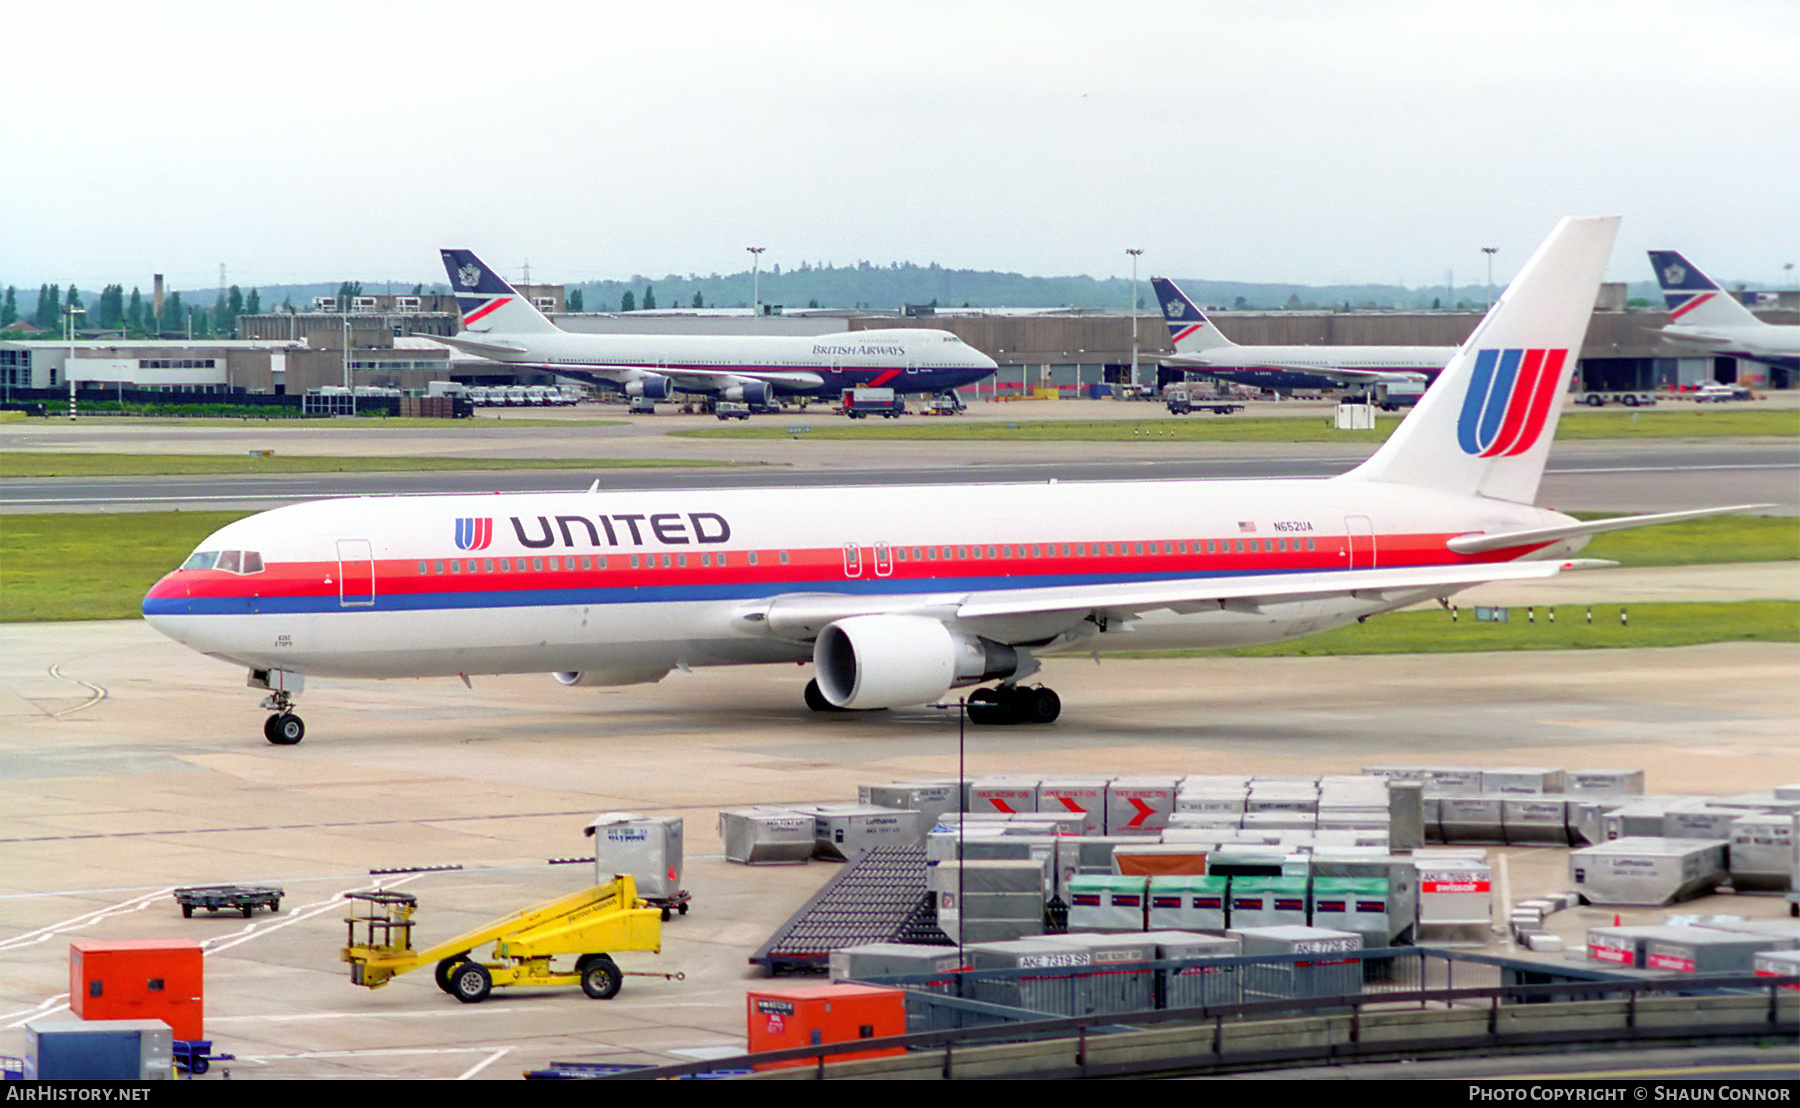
<point x="165" y="605"/>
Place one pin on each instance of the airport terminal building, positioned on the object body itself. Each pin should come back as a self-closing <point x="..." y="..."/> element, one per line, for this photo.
<point x="387" y="342"/>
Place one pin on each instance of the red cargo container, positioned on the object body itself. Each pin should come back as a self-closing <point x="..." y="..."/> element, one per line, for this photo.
<point x="811" y="1015"/>
<point x="157" y="979"/>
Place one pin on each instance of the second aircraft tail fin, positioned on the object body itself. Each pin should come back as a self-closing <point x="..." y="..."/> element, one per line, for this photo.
<point x="1694" y="299"/>
<point x="1189" y="330"/>
<point x="487" y="302"/>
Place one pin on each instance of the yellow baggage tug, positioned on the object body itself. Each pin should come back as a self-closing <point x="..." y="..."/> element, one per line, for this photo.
<point x="587" y="924"/>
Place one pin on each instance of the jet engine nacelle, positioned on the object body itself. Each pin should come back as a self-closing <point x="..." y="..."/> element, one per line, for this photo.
<point x="596" y="678"/>
<point x="652" y="386"/>
<point x="754" y="393"/>
<point x="890" y="661"/>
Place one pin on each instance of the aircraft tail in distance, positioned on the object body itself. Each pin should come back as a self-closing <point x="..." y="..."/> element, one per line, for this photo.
<point x="487" y="302"/>
<point x="1190" y="332"/>
<point x="1485" y="427"/>
<point x="1694" y="299"/>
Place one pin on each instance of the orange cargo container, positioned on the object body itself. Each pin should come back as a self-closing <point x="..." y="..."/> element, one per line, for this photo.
<point x="156" y="979"/>
<point x="811" y="1015"/>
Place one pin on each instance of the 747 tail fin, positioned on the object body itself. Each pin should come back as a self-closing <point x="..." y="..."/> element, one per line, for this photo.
<point x="487" y="302"/>
<point x="1189" y="330"/>
<point x="1694" y="299"/>
<point x="1485" y="427"/>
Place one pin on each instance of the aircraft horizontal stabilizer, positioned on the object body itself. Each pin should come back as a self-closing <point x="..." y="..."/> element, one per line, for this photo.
<point x="475" y="346"/>
<point x="1482" y="543"/>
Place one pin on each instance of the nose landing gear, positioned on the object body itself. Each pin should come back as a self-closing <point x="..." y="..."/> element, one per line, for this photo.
<point x="284" y="728"/>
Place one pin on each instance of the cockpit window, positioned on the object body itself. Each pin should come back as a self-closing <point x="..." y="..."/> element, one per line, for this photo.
<point x="231" y="561"/>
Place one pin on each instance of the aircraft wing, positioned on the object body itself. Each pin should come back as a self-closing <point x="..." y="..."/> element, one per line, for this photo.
<point x="477" y="346"/>
<point x="1190" y="595"/>
<point x="803" y="616"/>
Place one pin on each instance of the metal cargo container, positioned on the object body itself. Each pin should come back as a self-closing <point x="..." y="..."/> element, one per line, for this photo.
<point x="1537" y="819"/>
<point x="1777" y="963"/>
<point x="1638" y="819"/>
<point x="1452" y="781"/>
<point x="1107" y="903"/>
<point x="1004" y="793"/>
<point x="646" y="847"/>
<point x="841" y="831"/>
<point x="1781" y="934"/>
<point x="63" y="1048"/>
<point x="1077" y="796"/>
<point x="1398" y="891"/>
<point x="1357" y="904"/>
<point x="1409" y="825"/>
<point x="1521" y="781"/>
<point x="1762" y="852"/>
<point x="1120" y="979"/>
<point x="1456" y="899"/>
<point x="765" y="836"/>
<point x="893" y="960"/>
<point x="1472" y="819"/>
<point x="1200" y="980"/>
<point x="1279" y="821"/>
<point x="1188" y="903"/>
<point x="1702" y="950"/>
<point x="1620" y="946"/>
<point x="1699" y="821"/>
<point x="1151" y="859"/>
<point x="977" y="900"/>
<point x="1139" y="805"/>
<point x="1604" y="782"/>
<point x="930" y="799"/>
<point x="1330" y="971"/>
<point x="1052" y="992"/>
<point x="1214" y="802"/>
<point x="1644" y="871"/>
<point x="1268" y="902"/>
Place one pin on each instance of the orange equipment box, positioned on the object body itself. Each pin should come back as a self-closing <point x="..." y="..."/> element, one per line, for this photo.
<point x="811" y="1015"/>
<point x="158" y="979"/>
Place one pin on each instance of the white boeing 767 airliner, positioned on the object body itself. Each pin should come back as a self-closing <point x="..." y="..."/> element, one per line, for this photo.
<point x="900" y="594"/>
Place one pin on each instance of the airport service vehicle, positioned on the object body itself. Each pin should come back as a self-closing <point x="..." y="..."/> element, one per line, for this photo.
<point x="1624" y="398"/>
<point x="731" y="409"/>
<point x="1199" y="348"/>
<point x="1705" y="317"/>
<point x="1182" y="402"/>
<point x="857" y="403"/>
<point x="1391" y="396"/>
<point x="945" y="405"/>
<point x="899" y="594"/>
<point x="590" y="925"/>
<point x="1721" y="394"/>
<point x="503" y="326"/>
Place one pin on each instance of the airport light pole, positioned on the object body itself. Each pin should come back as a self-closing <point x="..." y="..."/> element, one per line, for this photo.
<point x="1490" y="251"/>
<point x="1134" y="313"/>
<point x="755" y="274"/>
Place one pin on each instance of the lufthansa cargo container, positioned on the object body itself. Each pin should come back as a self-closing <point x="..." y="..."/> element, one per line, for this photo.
<point x="1604" y="782"/>
<point x="1645" y="871"/>
<point x="1762" y="852"/>
<point x="842" y="831"/>
<point x="930" y="799"/>
<point x="766" y="836"/>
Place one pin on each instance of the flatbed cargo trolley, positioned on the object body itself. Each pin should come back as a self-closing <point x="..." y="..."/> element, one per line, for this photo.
<point x="238" y="898"/>
<point x="589" y="925"/>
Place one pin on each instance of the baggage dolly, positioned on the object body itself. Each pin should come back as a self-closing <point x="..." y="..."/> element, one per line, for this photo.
<point x="241" y="898"/>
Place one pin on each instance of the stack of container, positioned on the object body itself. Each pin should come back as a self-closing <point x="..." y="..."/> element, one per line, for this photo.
<point x="988" y="901"/>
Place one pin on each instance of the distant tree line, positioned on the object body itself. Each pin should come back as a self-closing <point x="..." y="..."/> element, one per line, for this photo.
<point x="134" y="315"/>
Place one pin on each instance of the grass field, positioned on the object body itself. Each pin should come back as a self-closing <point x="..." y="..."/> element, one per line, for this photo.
<point x="1688" y="422"/>
<point x="84" y="565"/>
<point x="32" y="464"/>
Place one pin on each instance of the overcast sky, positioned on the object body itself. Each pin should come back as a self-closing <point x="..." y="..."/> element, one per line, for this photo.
<point x="1374" y="140"/>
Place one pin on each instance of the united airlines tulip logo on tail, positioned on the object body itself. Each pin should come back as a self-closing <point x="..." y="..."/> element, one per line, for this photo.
<point x="474" y="534"/>
<point x="1508" y="401"/>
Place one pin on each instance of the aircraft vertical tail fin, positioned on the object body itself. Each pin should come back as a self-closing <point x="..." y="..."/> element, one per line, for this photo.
<point x="1694" y="298"/>
<point x="1485" y="427"/>
<point x="1189" y="330"/>
<point x="488" y="304"/>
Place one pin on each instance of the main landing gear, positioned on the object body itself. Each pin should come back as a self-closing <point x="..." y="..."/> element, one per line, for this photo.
<point x="1014" y="704"/>
<point x="284" y="728"/>
<point x="999" y="705"/>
